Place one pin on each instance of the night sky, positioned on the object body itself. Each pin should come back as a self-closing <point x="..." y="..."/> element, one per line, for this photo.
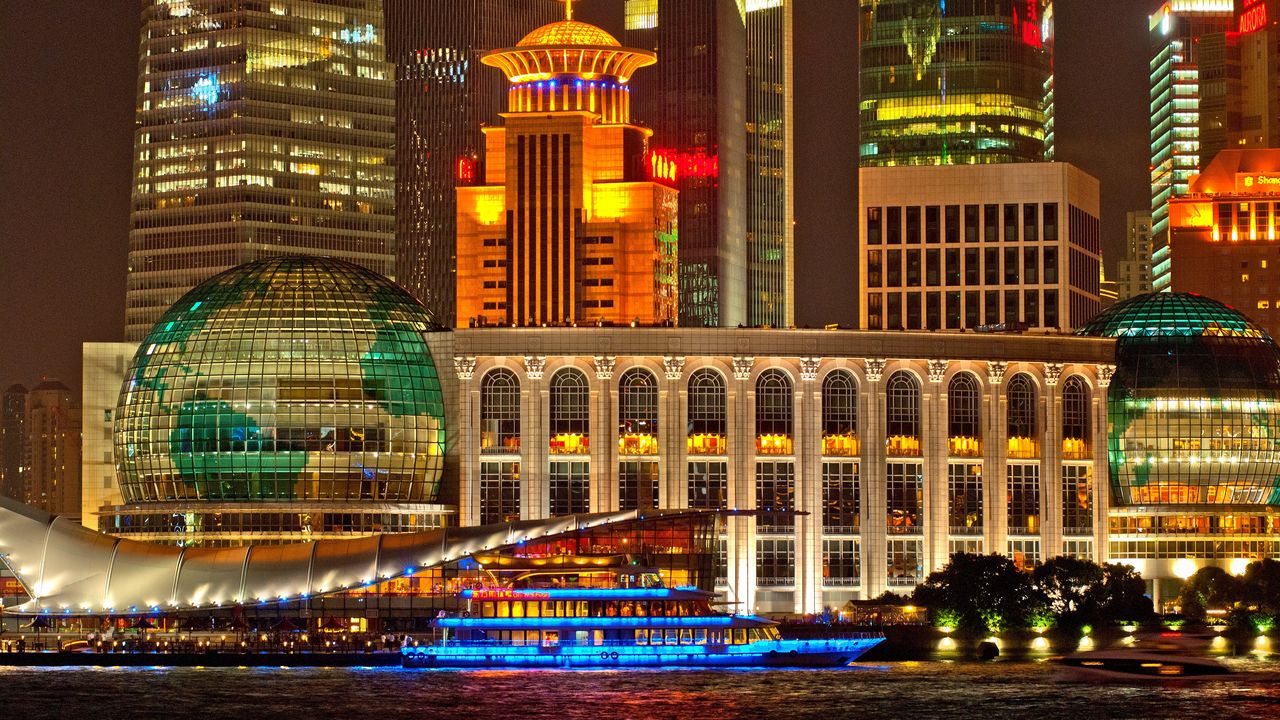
<point x="68" y="73"/>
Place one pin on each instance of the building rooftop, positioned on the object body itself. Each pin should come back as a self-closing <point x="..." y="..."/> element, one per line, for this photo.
<point x="1172" y="315"/>
<point x="569" y="32"/>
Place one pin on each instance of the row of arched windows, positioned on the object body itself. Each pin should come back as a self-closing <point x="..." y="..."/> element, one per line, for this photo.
<point x="707" y="421"/>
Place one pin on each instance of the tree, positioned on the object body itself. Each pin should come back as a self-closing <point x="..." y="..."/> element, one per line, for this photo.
<point x="1121" y="596"/>
<point x="1080" y="592"/>
<point x="981" y="593"/>
<point x="1260" y="586"/>
<point x="1208" y="588"/>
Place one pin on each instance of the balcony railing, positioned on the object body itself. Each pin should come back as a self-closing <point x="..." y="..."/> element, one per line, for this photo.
<point x="637" y="444"/>
<point x="902" y="446"/>
<point x="965" y="529"/>
<point x="708" y="444"/>
<point x="903" y="581"/>
<point x="840" y="445"/>
<point x="1023" y="448"/>
<point x="490" y="445"/>
<point x="569" y="444"/>
<point x="775" y="445"/>
<point x="961" y="446"/>
<point x="776" y="581"/>
<point x="1075" y="449"/>
<point x="841" y="581"/>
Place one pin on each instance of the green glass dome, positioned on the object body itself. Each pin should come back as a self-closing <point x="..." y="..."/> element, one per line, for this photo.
<point x="1171" y="315"/>
<point x="1193" y="410"/>
<point x="295" y="379"/>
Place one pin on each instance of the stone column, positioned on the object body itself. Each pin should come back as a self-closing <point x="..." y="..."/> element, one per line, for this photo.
<point x="808" y="413"/>
<point x="468" y="446"/>
<point x="673" y="434"/>
<point x="871" y="428"/>
<point x="1101" y="466"/>
<point x="603" y="493"/>
<point x="534" y="437"/>
<point x="1051" y="532"/>
<point x="742" y="492"/>
<point x="995" y="463"/>
<point x="934" y="447"/>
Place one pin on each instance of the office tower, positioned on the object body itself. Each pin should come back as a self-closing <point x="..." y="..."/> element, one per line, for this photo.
<point x="770" y="163"/>
<point x="13" y="420"/>
<point x="1223" y="234"/>
<point x="955" y="83"/>
<point x="696" y="102"/>
<point x="574" y="221"/>
<point x="982" y="246"/>
<point x="444" y="95"/>
<point x="1135" y="276"/>
<point x="1176" y="31"/>
<point x="262" y="129"/>
<point x="52" y="479"/>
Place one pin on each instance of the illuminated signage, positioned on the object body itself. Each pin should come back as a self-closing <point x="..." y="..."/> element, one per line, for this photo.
<point x="1251" y="15"/>
<point x="667" y="166"/>
<point x="466" y="170"/>
<point x="1268" y="181"/>
<point x="1026" y="22"/>
<point x="366" y="34"/>
<point x="509" y="594"/>
<point x="205" y="90"/>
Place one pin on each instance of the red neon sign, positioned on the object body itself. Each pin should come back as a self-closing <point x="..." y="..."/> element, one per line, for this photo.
<point x="1026" y="24"/>
<point x="1252" y="16"/>
<point x="669" y="165"/>
<point x="466" y="170"/>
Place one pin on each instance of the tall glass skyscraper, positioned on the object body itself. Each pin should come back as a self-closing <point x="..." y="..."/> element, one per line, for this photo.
<point x="955" y="81"/>
<point x="695" y="101"/>
<point x="770" y="164"/>
<point x="264" y="127"/>
<point x="444" y="95"/>
<point x="1175" y="31"/>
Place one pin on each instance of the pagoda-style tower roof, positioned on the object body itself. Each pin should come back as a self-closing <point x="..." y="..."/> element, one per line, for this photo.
<point x="569" y="48"/>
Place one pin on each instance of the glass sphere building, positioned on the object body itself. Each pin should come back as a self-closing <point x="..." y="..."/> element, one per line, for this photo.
<point x="288" y="398"/>
<point x="1193" y="434"/>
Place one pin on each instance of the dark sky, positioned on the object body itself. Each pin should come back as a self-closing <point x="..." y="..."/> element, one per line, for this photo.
<point x="68" y="72"/>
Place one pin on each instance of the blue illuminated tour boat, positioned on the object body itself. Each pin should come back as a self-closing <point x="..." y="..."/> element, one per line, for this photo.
<point x="645" y="625"/>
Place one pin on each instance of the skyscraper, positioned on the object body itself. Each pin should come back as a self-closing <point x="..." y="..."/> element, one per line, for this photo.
<point x="444" y="95"/>
<point x="696" y="102"/>
<point x="52" y="428"/>
<point x="262" y="129"/>
<point x="574" y="220"/>
<point x="1135" y="268"/>
<point x="770" y="164"/>
<point x="955" y="82"/>
<point x="13" y="423"/>
<point x="1176" y="30"/>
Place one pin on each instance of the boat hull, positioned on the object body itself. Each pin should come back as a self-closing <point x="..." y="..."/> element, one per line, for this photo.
<point x="775" y="653"/>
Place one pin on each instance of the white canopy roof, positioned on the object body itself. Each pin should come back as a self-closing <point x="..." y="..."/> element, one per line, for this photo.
<point x="68" y="568"/>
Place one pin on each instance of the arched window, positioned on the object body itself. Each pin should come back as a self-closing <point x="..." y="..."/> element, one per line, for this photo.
<point x="1021" y="396"/>
<point x="500" y="412"/>
<point x="964" y="415"/>
<point x="707" y="408"/>
<point x="1076" y="418"/>
<point x="638" y="412"/>
<point x="839" y="414"/>
<point x="570" y="412"/>
<point x="774" y="423"/>
<point x="903" y="404"/>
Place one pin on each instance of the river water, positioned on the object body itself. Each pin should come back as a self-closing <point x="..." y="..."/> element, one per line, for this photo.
<point x="920" y="691"/>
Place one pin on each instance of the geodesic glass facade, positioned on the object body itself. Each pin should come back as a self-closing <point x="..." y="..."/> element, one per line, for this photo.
<point x="295" y="379"/>
<point x="1194" y="407"/>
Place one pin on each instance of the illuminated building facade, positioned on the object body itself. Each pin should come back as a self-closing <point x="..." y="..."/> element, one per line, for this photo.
<point x="699" y="101"/>
<point x="1135" y="269"/>
<point x="1178" y="31"/>
<point x="13" y="419"/>
<point x="1257" y="24"/>
<point x="967" y="247"/>
<point x="42" y="447"/>
<point x="575" y="220"/>
<point x="1224" y="234"/>
<point x="936" y="443"/>
<point x="262" y="129"/>
<point x="956" y="82"/>
<point x="287" y="399"/>
<point x="1193" y="413"/>
<point x="444" y="95"/>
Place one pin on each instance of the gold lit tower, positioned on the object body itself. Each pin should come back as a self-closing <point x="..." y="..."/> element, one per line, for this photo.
<point x="572" y="218"/>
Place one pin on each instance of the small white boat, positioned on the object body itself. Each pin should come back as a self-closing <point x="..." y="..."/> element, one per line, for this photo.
<point x="1168" y="657"/>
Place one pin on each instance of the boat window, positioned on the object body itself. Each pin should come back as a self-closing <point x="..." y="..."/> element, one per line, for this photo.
<point x="628" y="609"/>
<point x="611" y="609"/>
<point x="686" y="636"/>
<point x="739" y="636"/>
<point x="486" y="609"/>
<point x="549" y="609"/>
<point x="642" y="608"/>
<point x="533" y="609"/>
<point x="672" y="637"/>
<point x="700" y="636"/>
<point x="773" y="634"/>
<point x="517" y="608"/>
<point x="551" y="637"/>
<point x="642" y="637"/>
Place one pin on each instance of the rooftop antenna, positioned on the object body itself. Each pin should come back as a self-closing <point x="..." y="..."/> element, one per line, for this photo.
<point x="568" y="9"/>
